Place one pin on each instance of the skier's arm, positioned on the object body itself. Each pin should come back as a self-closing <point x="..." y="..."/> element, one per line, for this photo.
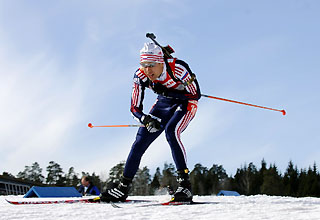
<point x="137" y="99"/>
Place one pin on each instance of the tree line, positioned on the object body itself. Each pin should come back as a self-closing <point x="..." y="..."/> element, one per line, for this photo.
<point x="248" y="180"/>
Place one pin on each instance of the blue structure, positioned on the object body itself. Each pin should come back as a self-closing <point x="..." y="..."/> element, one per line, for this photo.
<point x="228" y="193"/>
<point x="42" y="192"/>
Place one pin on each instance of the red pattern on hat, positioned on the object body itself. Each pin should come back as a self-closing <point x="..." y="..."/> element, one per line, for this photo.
<point x="151" y="58"/>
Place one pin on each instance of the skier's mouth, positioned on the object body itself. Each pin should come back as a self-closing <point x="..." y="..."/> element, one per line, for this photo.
<point x="150" y="75"/>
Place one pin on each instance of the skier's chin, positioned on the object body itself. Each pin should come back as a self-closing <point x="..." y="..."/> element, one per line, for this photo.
<point x="152" y="77"/>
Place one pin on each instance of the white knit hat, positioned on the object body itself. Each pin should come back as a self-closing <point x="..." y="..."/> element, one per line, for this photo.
<point x="151" y="53"/>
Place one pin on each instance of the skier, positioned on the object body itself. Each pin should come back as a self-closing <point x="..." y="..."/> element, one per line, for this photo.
<point x="176" y="105"/>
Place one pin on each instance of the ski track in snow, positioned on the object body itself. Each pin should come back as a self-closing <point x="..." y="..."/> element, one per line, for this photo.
<point x="228" y="207"/>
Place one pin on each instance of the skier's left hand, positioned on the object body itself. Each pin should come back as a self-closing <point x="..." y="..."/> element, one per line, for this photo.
<point x="160" y="89"/>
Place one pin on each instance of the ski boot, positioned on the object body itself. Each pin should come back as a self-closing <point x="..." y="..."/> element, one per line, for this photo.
<point x="117" y="193"/>
<point x="183" y="193"/>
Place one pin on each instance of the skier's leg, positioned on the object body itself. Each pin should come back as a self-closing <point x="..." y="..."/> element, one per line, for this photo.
<point x="120" y="192"/>
<point x="141" y="144"/>
<point x="177" y="124"/>
<point x="143" y="140"/>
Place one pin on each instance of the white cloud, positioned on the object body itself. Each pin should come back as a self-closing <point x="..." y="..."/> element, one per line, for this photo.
<point x="36" y="112"/>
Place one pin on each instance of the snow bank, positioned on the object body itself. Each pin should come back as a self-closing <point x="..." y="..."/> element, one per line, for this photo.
<point x="235" y="208"/>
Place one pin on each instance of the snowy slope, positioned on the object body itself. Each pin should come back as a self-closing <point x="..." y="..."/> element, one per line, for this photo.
<point x="242" y="207"/>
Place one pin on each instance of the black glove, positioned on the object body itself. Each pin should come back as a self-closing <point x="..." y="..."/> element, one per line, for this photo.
<point x="152" y="124"/>
<point x="160" y="89"/>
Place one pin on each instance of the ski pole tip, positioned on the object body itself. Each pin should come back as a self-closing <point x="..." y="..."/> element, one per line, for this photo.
<point x="283" y="112"/>
<point x="90" y="125"/>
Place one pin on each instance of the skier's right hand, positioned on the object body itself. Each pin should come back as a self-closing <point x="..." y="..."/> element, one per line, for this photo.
<point x="160" y="89"/>
<point x="152" y="124"/>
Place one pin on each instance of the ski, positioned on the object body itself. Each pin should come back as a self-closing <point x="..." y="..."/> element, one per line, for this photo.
<point x="170" y="203"/>
<point x="68" y="201"/>
<point x="184" y="203"/>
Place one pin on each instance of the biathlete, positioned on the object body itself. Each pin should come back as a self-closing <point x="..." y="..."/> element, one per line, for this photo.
<point x="176" y="105"/>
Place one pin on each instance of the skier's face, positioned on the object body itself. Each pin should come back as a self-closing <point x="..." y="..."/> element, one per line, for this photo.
<point x="152" y="70"/>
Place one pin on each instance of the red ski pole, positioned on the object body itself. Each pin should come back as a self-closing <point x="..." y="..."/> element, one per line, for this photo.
<point x="113" y="126"/>
<point x="243" y="103"/>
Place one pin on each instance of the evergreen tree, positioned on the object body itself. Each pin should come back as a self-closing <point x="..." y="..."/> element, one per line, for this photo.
<point x="272" y="182"/>
<point x="216" y="180"/>
<point x="25" y="173"/>
<point x="314" y="181"/>
<point x="7" y="174"/>
<point x="198" y="181"/>
<point x="303" y="188"/>
<point x="116" y="172"/>
<point x="260" y="175"/>
<point x="95" y="179"/>
<point x="213" y="179"/>
<point x="241" y="180"/>
<point x="141" y="182"/>
<point x="32" y="173"/>
<point x="248" y="180"/>
<point x="309" y="182"/>
<point x="36" y="173"/>
<point x="72" y="178"/>
<point x="169" y="178"/>
<point x="55" y="174"/>
<point x="291" y="180"/>
<point x="155" y="183"/>
<point x="254" y="180"/>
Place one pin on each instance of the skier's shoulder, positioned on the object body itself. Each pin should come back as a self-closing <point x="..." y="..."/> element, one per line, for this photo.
<point x="182" y="65"/>
<point x="181" y="62"/>
<point x="140" y="77"/>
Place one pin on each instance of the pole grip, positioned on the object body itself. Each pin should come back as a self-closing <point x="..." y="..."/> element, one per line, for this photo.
<point x="113" y="126"/>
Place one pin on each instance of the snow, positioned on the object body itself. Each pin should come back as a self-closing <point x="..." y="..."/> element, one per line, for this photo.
<point x="227" y="207"/>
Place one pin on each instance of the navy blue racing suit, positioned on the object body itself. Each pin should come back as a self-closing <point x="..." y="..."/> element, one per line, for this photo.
<point x="175" y="110"/>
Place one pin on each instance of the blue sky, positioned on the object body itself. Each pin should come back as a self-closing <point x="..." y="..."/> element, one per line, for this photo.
<point x="64" y="64"/>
